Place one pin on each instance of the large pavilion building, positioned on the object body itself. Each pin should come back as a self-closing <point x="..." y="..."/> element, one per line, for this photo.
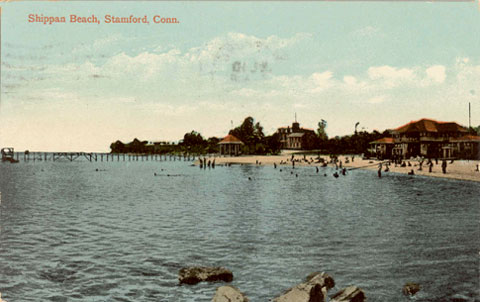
<point x="230" y="145"/>
<point x="429" y="138"/>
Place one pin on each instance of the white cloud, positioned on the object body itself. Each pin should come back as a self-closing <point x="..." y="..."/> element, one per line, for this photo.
<point x="350" y="80"/>
<point x="392" y="76"/>
<point x="186" y="85"/>
<point x="436" y="73"/>
<point x="198" y="70"/>
<point x="376" y="100"/>
<point x="466" y="71"/>
<point x="299" y="105"/>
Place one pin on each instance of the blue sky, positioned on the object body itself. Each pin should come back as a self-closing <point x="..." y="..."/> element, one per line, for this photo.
<point x="78" y="87"/>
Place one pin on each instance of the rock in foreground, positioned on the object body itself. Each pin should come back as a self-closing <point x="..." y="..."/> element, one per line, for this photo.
<point x="196" y="274"/>
<point x="323" y="279"/>
<point x="229" y="293"/>
<point x="349" y="294"/>
<point x="314" y="289"/>
<point x="410" y="289"/>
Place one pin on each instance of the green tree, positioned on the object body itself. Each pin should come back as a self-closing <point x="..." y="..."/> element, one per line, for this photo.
<point x="309" y="141"/>
<point x="474" y="130"/>
<point x="193" y="138"/>
<point x="250" y="134"/>
<point x="193" y="142"/>
<point x="321" y="131"/>
<point x="212" y="145"/>
<point x="273" y="144"/>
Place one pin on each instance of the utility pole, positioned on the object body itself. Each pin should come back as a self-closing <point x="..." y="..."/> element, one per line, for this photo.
<point x="469" y="117"/>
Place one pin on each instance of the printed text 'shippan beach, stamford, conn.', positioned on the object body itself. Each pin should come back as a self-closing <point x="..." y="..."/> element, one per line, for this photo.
<point x="108" y="19"/>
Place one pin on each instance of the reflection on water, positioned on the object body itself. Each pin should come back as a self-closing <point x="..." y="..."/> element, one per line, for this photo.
<point x="70" y="233"/>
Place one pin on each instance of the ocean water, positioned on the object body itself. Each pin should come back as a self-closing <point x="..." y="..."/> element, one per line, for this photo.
<point x="71" y="233"/>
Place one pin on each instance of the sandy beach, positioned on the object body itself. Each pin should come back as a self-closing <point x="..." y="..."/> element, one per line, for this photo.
<point x="459" y="169"/>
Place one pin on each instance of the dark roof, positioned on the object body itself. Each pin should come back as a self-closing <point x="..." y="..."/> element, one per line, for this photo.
<point x="428" y="125"/>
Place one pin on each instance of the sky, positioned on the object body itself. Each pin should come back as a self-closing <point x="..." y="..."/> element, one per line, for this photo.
<point x="80" y="87"/>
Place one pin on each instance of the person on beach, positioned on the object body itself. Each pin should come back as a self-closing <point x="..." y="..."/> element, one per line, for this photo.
<point x="444" y="166"/>
<point x="379" y="170"/>
<point x="411" y="172"/>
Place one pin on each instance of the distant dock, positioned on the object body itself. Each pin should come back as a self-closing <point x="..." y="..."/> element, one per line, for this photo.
<point x="29" y="156"/>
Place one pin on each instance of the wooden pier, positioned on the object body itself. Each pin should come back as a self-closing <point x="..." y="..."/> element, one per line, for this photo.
<point x="29" y="156"/>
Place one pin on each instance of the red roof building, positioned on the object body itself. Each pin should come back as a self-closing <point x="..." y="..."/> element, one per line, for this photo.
<point x="230" y="145"/>
<point x="429" y="138"/>
<point x="430" y="126"/>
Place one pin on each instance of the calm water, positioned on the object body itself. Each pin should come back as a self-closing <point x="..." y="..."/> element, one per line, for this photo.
<point x="69" y="233"/>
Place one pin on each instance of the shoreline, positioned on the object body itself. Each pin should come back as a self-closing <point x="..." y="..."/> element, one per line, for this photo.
<point x="459" y="169"/>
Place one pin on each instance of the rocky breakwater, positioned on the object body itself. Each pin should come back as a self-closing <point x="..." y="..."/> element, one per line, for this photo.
<point x="229" y="293"/>
<point x="349" y="294"/>
<point x="195" y="274"/>
<point x="315" y="289"/>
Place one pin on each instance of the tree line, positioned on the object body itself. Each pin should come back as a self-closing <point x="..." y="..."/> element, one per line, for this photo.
<point x="255" y="141"/>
